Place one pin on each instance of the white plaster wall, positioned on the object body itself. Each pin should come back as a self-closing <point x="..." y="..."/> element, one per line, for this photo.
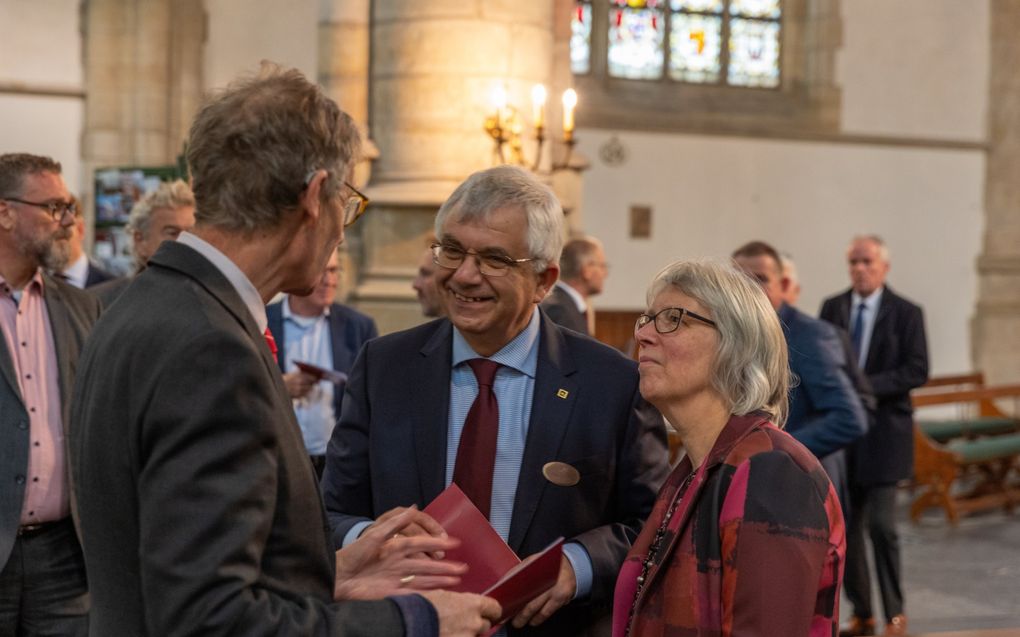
<point x="41" y="46"/>
<point x="242" y="33"/>
<point x="711" y="194"/>
<point x="915" y="68"/>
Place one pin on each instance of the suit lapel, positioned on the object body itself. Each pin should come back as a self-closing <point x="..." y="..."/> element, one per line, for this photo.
<point x="64" y="343"/>
<point x="428" y="380"/>
<point x="878" y="332"/>
<point x="552" y="403"/>
<point x="7" y="368"/>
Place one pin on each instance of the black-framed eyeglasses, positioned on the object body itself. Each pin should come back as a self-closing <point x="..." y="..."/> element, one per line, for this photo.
<point x="489" y="264"/>
<point x="57" y="209"/>
<point x="668" y="319"/>
<point x="355" y="206"/>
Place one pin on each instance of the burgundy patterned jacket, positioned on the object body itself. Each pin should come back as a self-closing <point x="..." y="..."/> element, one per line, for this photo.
<point x="755" y="546"/>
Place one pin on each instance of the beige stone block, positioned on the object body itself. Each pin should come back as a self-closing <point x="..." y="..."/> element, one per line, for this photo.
<point x="533" y="12"/>
<point x="426" y="155"/>
<point x="530" y="52"/>
<point x="345" y="11"/>
<point x="343" y="50"/>
<point x="408" y="10"/>
<point x="441" y="47"/>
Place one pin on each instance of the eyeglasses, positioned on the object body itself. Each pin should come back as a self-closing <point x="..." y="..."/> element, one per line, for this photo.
<point x="57" y="209"/>
<point x="668" y="319"/>
<point x="451" y="257"/>
<point x="355" y="205"/>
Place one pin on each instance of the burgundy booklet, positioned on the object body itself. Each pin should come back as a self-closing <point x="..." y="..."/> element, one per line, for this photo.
<point x="321" y="373"/>
<point x="493" y="568"/>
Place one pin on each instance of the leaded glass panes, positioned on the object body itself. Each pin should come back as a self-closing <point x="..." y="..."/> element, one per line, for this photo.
<point x="706" y="6"/>
<point x="755" y="8"/>
<point x="635" y="43"/>
<point x="695" y="47"/>
<point x="754" y="53"/>
<point x="580" y="39"/>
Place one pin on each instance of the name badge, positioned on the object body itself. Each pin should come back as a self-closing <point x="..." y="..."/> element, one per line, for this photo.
<point x="561" y="474"/>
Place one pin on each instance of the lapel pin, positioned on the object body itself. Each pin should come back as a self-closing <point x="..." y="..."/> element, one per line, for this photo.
<point x="562" y="393"/>
<point x="560" y="473"/>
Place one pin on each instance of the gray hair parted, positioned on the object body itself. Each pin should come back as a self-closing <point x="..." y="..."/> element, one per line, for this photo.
<point x="169" y="195"/>
<point x="752" y="370"/>
<point x="486" y="191"/>
<point x="14" y="167"/>
<point x="252" y="147"/>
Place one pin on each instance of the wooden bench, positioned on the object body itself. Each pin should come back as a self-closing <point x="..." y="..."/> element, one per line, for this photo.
<point x="984" y="447"/>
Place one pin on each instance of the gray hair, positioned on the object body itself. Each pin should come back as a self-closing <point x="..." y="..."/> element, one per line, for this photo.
<point x="486" y="191"/>
<point x="752" y="370"/>
<point x="577" y="253"/>
<point x="252" y="147"/>
<point x="883" y="249"/>
<point x="15" y="166"/>
<point x="169" y="195"/>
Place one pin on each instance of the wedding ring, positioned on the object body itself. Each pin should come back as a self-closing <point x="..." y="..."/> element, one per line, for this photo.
<point x="407" y="579"/>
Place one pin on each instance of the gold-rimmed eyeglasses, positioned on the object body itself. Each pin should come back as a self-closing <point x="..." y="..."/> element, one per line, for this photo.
<point x="57" y="209"/>
<point x="355" y="205"/>
<point x="668" y="319"/>
<point x="489" y="264"/>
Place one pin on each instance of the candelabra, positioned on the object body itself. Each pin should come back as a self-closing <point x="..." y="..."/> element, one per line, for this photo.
<point x="506" y="128"/>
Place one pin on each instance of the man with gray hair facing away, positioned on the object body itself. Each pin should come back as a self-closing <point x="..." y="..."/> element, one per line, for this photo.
<point x="199" y="508"/>
<point x="161" y="215"/>
<point x="583" y="271"/>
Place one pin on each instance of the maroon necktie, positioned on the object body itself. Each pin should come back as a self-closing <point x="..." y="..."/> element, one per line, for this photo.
<point x="271" y="343"/>
<point x="476" y="453"/>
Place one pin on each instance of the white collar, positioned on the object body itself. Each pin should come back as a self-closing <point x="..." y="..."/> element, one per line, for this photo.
<point x="582" y="305"/>
<point x="245" y="288"/>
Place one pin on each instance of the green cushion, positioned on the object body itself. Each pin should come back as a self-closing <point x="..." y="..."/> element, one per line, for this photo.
<point x="944" y="430"/>
<point x="986" y="448"/>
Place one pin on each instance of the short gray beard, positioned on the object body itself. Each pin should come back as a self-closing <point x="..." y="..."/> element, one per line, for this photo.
<point x="51" y="253"/>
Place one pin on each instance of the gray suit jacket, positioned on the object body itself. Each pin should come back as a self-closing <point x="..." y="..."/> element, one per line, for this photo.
<point x="72" y="314"/>
<point x="199" y="509"/>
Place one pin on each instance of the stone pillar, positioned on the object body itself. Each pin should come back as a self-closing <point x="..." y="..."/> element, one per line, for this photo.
<point x="143" y="81"/>
<point x="434" y="67"/>
<point x="996" y="325"/>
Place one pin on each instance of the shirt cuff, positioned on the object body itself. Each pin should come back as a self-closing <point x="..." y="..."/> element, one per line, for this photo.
<point x="355" y="532"/>
<point x="420" y="616"/>
<point x="584" y="572"/>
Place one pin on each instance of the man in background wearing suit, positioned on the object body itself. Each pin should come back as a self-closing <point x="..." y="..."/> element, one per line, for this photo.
<point x="161" y="215"/>
<point x="43" y="588"/>
<point x="568" y="449"/>
<point x="313" y="329"/>
<point x="199" y="507"/>
<point x="826" y="414"/>
<point x="80" y="270"/>
<point x="583" y="271"/>
<point x="887" y="333"/>
<point x="424" y="286"/>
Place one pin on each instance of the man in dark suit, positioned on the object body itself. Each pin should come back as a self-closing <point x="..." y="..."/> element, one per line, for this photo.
<point x="81" y="271"/>
<point x="199" y="508"/>
<point x="568" y="449"/>
<point x="583" y="271"/>
<point x="826" y="414"/>
<point x="888" y="337"/>
<point x="313" y="329"/>
<point x="43" y="588"/>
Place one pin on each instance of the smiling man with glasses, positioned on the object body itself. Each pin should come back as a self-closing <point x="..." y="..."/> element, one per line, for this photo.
<point x="542" y="428"/>
<point x="44" y="321"/>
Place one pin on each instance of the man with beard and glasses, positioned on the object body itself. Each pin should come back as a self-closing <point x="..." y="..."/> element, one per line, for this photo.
<point x="43" y="589"/>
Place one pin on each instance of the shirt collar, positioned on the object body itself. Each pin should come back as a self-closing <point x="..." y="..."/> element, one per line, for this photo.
<point x="34" y="284"/>
<point x="582" y="305"/>
<point x="245" y="289"/>
<point x="871" y="301"/>
<point x="521" y="353"/>
<point x="289" y="314"/>
<point x="77" y="272"/>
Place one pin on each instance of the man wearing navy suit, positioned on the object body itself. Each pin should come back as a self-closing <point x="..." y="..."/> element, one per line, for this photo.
<point x="313" y="329"/>
<point x="576" y="452"/>
<point x="81" y="271"/>
<point x="887" y="332"/>
<point x="826" y="413"/>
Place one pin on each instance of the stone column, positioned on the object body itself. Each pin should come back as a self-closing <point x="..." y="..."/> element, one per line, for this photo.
<point x="996" y="325"/>
<point x="434" y="67"/>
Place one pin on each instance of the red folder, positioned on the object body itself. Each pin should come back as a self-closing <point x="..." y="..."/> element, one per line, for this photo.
<point x="493" y="568"/>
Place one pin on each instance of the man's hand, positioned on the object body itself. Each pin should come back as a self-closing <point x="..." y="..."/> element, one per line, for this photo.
<point x="299" y="383"/>
<point x="542" y="607"/>
<point x="463" y="614"/>
<point x="386" y="561"/>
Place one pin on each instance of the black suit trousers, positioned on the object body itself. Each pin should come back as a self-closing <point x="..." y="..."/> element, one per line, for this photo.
<point x="873" y="509"/>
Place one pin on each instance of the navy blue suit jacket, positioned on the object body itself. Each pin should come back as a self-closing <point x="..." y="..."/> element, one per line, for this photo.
<point x="348" y="331"/>
<point x="897" y="362"/>
<point x="389" y="449"/>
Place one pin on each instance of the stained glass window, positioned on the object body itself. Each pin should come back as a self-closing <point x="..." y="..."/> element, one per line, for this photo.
<point x="716" y="42"/>
<point x="636" y="35"/>
<point x="580" y="39"/>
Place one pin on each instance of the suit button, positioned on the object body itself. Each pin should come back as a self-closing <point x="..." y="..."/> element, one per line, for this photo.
<point x="19" y="479"/>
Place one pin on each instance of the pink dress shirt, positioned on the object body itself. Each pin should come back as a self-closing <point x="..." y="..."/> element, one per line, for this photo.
<point x="29" y="339"/>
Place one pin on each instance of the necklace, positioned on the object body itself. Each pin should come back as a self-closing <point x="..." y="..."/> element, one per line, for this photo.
<point x="656" y="545"/>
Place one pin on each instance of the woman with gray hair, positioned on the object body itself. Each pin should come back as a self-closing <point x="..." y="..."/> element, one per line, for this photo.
<point x="746" y="537"/>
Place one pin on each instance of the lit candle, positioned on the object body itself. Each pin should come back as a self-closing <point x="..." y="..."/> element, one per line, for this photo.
<point x="499" y="102"/>
<point x="569" y="102"/>
<point x="538" y="105"/>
